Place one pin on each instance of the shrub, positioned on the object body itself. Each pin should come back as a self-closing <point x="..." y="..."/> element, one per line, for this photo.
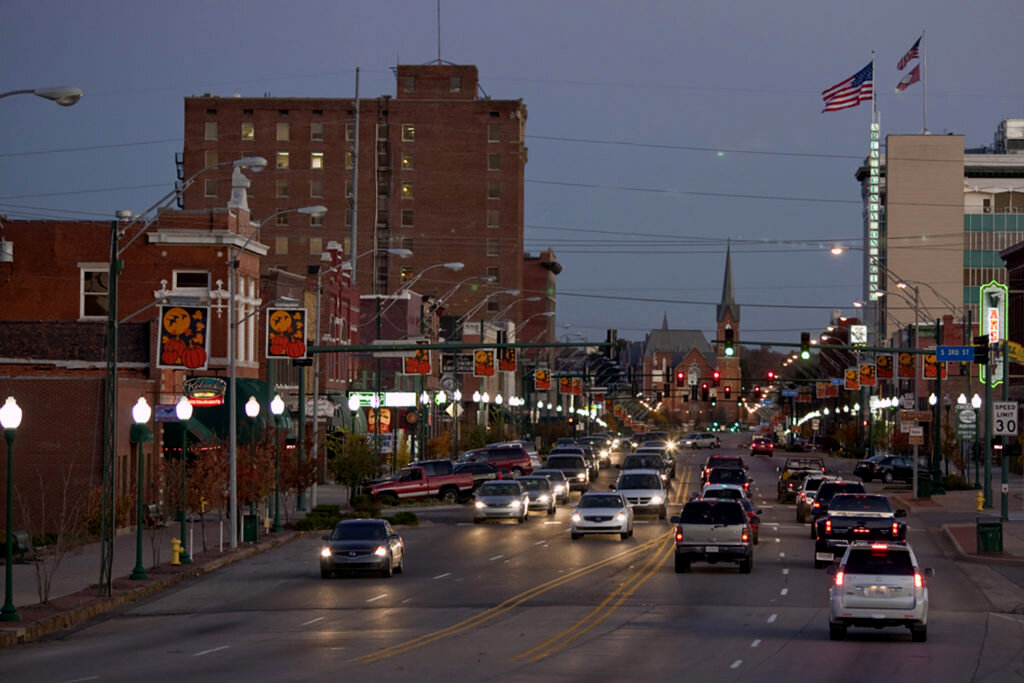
<point x="954" y="482"/>
<point x="367" y="505"/>
<point x="403" y="517"/>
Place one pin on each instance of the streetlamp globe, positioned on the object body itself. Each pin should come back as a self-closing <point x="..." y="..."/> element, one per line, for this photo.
<point x="353" y="403"/>
<point x="252" y="407"/>
<point x="485" y="397"/>
<point x="476" y="397"/>
<point x="961" y="400"/>
<point x="424" y="398"/>
<point x="457" y="395"/>
<point x="976" y="401"/>
<point x="441" y="397"/>
<point x="498" y="399"/>
<point x="183" y="409"/>
<point x="932" y="399"/>
<point x="277" y="405"/>
<point x="10" y="414"/>
<point x="540" y="404"/>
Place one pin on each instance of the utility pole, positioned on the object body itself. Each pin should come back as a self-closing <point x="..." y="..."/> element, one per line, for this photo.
<point x="355" y="189"/>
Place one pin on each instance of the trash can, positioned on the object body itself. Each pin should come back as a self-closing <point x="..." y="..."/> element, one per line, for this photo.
<point x="990" y="534"/>
<point x="250" y="529"/>
<point x="924" y="484"/>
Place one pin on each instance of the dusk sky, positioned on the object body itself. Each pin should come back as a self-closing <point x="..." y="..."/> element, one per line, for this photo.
<point x="657" y="131"/>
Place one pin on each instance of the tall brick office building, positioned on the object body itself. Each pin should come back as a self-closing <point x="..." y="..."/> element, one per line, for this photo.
<point x="440" y="172"/>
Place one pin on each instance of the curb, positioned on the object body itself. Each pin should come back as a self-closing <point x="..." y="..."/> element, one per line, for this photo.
<point x="982" y="559"/>
<point x="38" y="629"/>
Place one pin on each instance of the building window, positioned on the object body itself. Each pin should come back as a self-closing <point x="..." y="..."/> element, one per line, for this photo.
<point x="350" y="132"/>
<point x="492" y="218"/>
<point x="406" y="273"/>
<point x="283" y="131"/>
<point x="191" y="279"/>
<point x="350" y="159"/>
<point x="383" y="162"/>
<point x="210" y="158"/>
<point x="282" y="159"/>
<point x="493" y="132"/>
<point x="248" y="130"/>
<point x="494" y="162"/>
<point x="282" y="188"/>
<point x="316" y="246"/>
<point x="94" y="292"/>
<point x="348" y="188"/>
<point x="210" y="187"/>
<point x="407" y="188"/>
<point x="382" y="131"/>
<point x="407" y="218"/>
<point x="316" y="188"/>
<point x="494" y="189"/>
<point x="316" y="160"/>
<point x="281" y="246"/>
<point x="408" y="161"/>
<point x="407" y="243"/>
<point x="281" y="219"/>
<point x="316" y="220"/>
<point x="348" y="218"/>
<point x="492" y="304"/>
<point x="455" y="84"/>
<point x="382" y="188"/>
<point x="408" y="132"/>
<point x="211" y="130"/>
<point x="408" y="84"/>
<point x="316" y="131"/>
<point x="492" y="247"/>
<point x="492" y="271"/>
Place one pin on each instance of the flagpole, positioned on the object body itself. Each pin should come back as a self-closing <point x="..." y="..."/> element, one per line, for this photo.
<point x="873" y="88"/>
<point x="924" y="83"/>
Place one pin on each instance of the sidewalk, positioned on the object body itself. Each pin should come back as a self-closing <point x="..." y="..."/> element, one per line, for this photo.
<point x="74" y="595"/>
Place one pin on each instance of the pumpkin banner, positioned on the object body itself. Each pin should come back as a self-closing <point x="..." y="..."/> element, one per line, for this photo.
<point x="184" y="342"/>
<point x="286" y="333"/>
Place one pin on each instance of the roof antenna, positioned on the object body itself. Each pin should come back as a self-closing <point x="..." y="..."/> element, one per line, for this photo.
<point x="439" y="32"/>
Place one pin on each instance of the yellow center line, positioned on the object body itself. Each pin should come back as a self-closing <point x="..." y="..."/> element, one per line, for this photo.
<point x="499" y="609"/>
<point x="624" y="590"/>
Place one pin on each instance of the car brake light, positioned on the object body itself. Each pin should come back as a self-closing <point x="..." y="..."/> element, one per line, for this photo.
<point x="746" y="485"/>
<point x="895" y="528"/>
<point x="918" y="581"/>
<point x="839" y="578"/>
<point x="745" y="537"/>
<point x="828" y="526"/>
<point x="879" y="546"/>
<point x="803" y="497"/>
<point x="679" y="535"/>
<point x="817" y="504"/>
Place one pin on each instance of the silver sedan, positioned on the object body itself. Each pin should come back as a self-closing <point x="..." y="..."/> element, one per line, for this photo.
<point x="602" y="513"/>
<point x="501" y="500"/>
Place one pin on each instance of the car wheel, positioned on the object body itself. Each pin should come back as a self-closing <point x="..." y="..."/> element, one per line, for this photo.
<point x="836" y="632"/>
<point x="682" y="565"/>
<point x="662" y="513"/>
<point x="800" y="516"/>
<point x="575" y="536"/>
<point x="517" y="472"/>
<point x="476" y="521"/>
<point x="866" y="478"/>
<point x="326" y="573"/>
<point x="624" y="535"/>
<point x="747" y="565"/>
<point x="388" y="568"/>
<point x="449" y="496"/>
<point x="919" y="634"/>
<point x="551" y="510"/>
<point x="887" y="477"/>
<point x="401" y="565"/>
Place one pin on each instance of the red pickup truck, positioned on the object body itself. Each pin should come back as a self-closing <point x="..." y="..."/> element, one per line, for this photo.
<point x="423" y="479"/>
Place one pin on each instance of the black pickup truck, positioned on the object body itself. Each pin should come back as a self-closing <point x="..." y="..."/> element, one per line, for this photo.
<point x="856" y="517"/>
<point x="792" y="473"/>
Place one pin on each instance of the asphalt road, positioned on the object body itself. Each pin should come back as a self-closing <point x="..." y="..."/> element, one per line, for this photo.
<point x="504" y="601"/>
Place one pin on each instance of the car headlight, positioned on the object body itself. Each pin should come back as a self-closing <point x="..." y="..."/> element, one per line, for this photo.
<point x="559" y="488"/>
<point x="657" y="500"/>
<point x="620" y="517"/>
<point x="380" y="551"/>
<point x="576" y="517"/>
<point x="325" y="552"/>
<point x="480" y="505"/>
<point x="516" y="503"/>
<point x="604" y="453"/>
<point x="543" y="498"/>
<point x="664" y="477"/>
<point x="582" y="476"/>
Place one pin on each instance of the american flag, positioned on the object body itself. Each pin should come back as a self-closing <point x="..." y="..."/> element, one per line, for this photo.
<point x="851" y="92"/>
<point x="912" y="53"/>
<point x="913" y="76"/>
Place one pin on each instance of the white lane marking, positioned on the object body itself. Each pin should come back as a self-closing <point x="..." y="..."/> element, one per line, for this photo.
<point x="782" y="554"/>
<point x="496" y="557"/>
<point x="778" y="540"/>
<point x="559" y="523"/>
<point x="540" y="542"/>
<point x="377" y="597"/>
<point x="785" y="572"/>
<point x="78" y="680"/>
<point x="736" y="664"/>
<point x="406" y="600"/>
<point x="770" y="523"/>
<point x="756" y="643"/>
<point x="784" y="591"/>
<point x="311" y="621"/>
<point x="767" y="507"/>
<point x="441" y="576"/>
<point x="216" y="649"/>
<point x="463" y="524"/>
<point x="772" y="618"/>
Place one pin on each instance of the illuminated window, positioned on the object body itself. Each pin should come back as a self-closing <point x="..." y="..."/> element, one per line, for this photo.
<point x="408" y="132"/>
<point x="408" y="161"/>
<point x="282" y="159"/>
<point x="281" y="246"/>
<point x="211" y="130"/>
<point x="406" y="273"/>
<point x="407" y="188"/>
<point x="316" y="160"/>
<point x="349" y="160"/>
<point x="248" y="130"/>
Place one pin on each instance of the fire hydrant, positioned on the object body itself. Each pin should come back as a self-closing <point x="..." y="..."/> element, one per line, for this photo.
<point x="175" y="552"/>
<point x="981" y="501"/>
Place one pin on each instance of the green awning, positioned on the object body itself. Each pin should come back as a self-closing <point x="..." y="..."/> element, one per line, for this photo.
<point x="215" y="418"/>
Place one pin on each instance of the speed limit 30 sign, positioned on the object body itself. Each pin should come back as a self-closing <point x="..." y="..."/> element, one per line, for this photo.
<point x="1004" y="418"/>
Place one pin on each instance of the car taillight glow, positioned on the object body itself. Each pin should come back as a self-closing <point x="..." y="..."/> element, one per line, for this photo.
<point x="828" y="526"/>
<point x="817" y="504"/>
<point x="803" y="497"/>
<point x="679" y="535"/>
<point x="895" y="528"/>
<point x="839" y="578"/>
<point x="879" y="546"/>
<point x="746" y="485"/>
<point x="918" y="581"/>
<point x="745" y="537"/>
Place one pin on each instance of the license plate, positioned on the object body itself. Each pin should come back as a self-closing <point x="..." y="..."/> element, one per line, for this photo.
<point x="824" y="557"/>
<point x="876" y="591"/>
<point x="711" y="549"/>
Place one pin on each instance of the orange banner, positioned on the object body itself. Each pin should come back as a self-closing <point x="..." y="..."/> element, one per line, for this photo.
<point x="483" y="363"/>
<point x="867" y="374"/>
<point x="507" y="360"/>
<point x="542" y="380"/>
<point x="419" y="364"/>
<point x="884" y="366"/>
<point x="183" y="337"/>
<point x="852" y="378"/>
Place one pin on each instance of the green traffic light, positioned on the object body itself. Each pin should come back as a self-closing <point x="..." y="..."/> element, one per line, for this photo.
<point x="805" y="354"/>
<point x="729" y="350"/>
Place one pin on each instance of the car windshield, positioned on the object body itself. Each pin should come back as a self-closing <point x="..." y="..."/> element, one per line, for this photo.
<point x="510" y="489"/>
<point x="643" y="462"/>
<point x="723" y="476"/>
<point x="358" y="532"/>
<point x="717" y="461"/>
<point x="860" y="504"/>
<point x="639" y="481"/>
<point x="600" y="501"/>
<point x="705" y="512"/>
<point x="826" y="491"/>
<point x="557" y="475"/>
<point x="569" y="462"/>
<point x="723" y="493"/>
<point x="534" y="483"/>
<point x="879" y="561"/>
<point x="813" y="483"/>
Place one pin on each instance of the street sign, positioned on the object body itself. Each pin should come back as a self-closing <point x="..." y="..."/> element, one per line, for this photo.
<point x="814" y="424"/>
<point x="858" y="335"/>
<point x="954" y="353"/>
<point x="916" y="436"/>
<point x="915" y="416"/>
<point x="907" y="401"/>
<point x="789" y="393"/>
<point x="1015" y="351"/>
<point x="966" y="423"/>
<point x="1004" y="418"/>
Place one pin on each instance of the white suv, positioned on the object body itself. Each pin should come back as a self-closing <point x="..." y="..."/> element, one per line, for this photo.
<point x="878" y="585"/>
<point x="702" y="440"/>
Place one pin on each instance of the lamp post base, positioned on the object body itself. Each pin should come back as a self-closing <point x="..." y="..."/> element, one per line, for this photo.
<point x="9" y="613"/>
<point x="139" y="574"/>
<point x="184" y="557"/>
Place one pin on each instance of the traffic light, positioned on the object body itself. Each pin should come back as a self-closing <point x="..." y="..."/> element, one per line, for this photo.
<point x="728" y="393"/>
<point x="757" y="390"/>
<point x="680" y="378"/>
<point x="714" y="401"/>
<point x="729" y="350"/>
<point x="771" y="376"/>
<point x="704" y="393"/>
<point x="715" y="376"/>
<point x="981" y="350"/>
<point x="805" y="345"/>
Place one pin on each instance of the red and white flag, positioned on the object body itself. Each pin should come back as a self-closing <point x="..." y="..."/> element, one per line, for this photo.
<point x="912" y="53"/>
<point x="913" y="76"/>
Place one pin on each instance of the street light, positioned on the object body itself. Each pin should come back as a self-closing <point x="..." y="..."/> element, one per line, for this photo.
<point x="183" y="409"/>
<point x="10" y="420"/>
<point x="277" y="408"/>
<point x="252" y="409"/>
<point x="64" y="95"/>
<point x="139" y="433"/>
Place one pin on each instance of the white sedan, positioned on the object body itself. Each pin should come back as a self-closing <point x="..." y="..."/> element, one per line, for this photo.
<point x="602" y="513"/>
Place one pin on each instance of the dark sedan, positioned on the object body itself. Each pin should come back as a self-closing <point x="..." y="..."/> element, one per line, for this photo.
<point x="763" y="446"/>
<point x="362" y="545"/>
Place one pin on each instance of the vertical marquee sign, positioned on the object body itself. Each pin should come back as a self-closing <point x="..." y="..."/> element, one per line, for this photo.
<point x="992" y="323"/>
<point x="874" y="209"/>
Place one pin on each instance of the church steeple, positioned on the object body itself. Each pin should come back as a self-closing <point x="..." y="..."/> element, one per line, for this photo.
<point x="664" y="320"/>
<point x="728" y="303"/>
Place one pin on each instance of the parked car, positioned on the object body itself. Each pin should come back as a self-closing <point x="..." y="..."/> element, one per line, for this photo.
<point x="713" y="530"/>
<point x="602" y="513"/>
<point x="888" y="468"/>
<point x="362" y="545"/>
<point x="423" y="479"/>
<point x="501" y="500"/>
